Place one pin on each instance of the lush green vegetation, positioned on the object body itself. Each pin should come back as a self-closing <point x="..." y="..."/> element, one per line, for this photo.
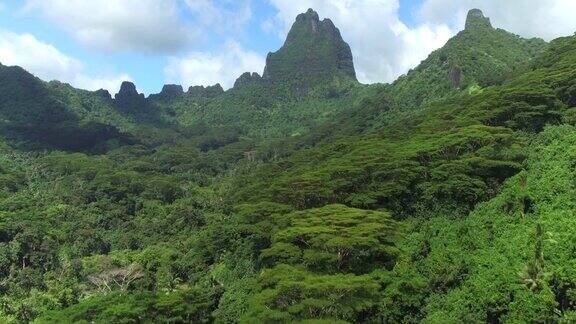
<point x="477" y="57"/>
<point x="509" y="260"/>
<point x="398" y="203"/>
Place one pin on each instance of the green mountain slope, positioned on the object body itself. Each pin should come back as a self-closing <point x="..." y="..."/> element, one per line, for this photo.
<point x="455" y="150"/>
<point x="458" y="261"/>
<point x="306" y="82"/>
<point x="478" y="56"/>
<point x="511" y="259"/>
<point x="33" y="116"/>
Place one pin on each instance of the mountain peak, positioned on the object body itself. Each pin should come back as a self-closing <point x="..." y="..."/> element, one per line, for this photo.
<point x="310" y="14"/>
<point x="128" y="98"/>
<point x="314" y="52"/>
<point x="127" y="87"/>
<point x="247" y="78"/>
<point x="205" y="92"/>
<point x="172" y="90"/>
<point x="104" y="94"/>
<point x="477" y="19"/>
<point x="169" y="92"/>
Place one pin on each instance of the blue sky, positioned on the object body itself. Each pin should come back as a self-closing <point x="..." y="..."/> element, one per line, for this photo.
<point x="97" y="44"/>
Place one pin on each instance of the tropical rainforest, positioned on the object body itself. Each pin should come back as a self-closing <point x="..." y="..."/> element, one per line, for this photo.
<point x="299" y="195"/>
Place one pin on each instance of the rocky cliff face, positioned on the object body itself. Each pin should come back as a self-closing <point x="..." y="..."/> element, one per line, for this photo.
<point x="169" y="92"/>
<point x="104" y="94"/>
<point x="128" y="99"/>
<point x="205" y="92"/>
<point x="476" y="19"/>
<point x="314" y="52"/>
<point x="247" y="79"/>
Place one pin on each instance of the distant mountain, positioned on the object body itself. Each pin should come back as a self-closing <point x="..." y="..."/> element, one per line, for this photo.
<point x="310" y="78"/>
<point x="33" y="116"/>
<point x="169" y="92"/>
<point x="174" y="92"/>
<point x="479" y="56"/>
<point x="514" y="86"/>
<point x="314" y="51"/>
<point x="128" y="99"/>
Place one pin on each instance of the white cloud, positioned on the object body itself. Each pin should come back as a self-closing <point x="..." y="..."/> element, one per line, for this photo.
<point x="223" y="16"/>
<point x="383" y="46"/>
<point x="209" y="15"/>
<point x="156" y="26"/>
<point x="41" y="58"/>
<point x="48" y="63"/>
<point x="206" y="68"/>
<point x="118" y="25"/>
<point x="530" y="18"/>
<point x="268" y="26"/>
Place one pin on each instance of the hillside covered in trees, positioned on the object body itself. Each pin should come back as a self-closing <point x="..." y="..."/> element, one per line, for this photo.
<point x="299" y="195"/>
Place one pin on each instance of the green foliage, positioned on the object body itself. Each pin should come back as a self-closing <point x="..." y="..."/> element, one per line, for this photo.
<point x="491" y="266"/>
<point x="318" y="262"/>
<point x="188" y="305"/>
<point x="458" y="149"/>
<point x="293" y="294"/>
<point x="479" y="56"/>
<point x="334" y="239"/>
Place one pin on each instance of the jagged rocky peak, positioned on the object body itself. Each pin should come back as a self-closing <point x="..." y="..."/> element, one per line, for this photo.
<point x="310" y="21"/>
<point x="205" y="92"/>
<point x="476" y="19"/>
<point x="128" y="97"/>
<point x="172" y="90"/>
<point x="104" y="94"/>
<point x="127" y="89"/>
<point x="247" y="78"/>
<point x="169" y="92"/>
<point x="314" y="51"/>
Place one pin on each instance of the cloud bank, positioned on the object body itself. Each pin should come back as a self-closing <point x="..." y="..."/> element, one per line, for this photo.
<point x="205" y="68"/>
<point x="48" y="63"/>
<point x="152" y="26"/>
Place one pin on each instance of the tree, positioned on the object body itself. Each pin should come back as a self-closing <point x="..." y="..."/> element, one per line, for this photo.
<point x="334" y="238"/>
<point x="533" y="275"/>
<point x="120" y="278"/>
<point x="292" y="294"/>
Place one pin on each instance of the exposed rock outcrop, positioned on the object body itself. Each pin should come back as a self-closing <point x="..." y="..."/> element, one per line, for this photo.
<point x="104" y="94"/>
<point x="476" y="19"/>
<point x="128" y="99"/>
<point x="247" y="79"/>
<point x="169" y="92"/>
<point x="205" y="92"/>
